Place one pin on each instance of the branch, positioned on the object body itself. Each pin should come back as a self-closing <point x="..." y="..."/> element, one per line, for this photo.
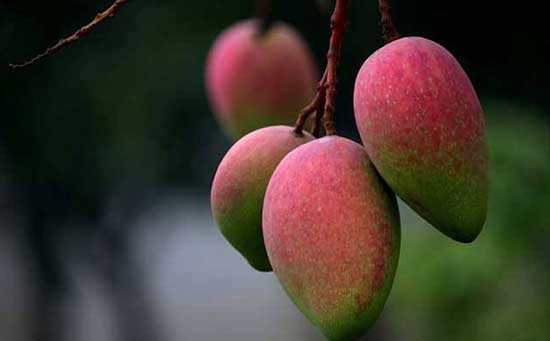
<point x="101" y="17"/>
<point x="317" y="106"/>
<point x="318" y="122"/>
<point x="339" y="25"/>
<point x="264" y="12"/>
<point x="325" y="99"/>
<point x="388" y="27"/>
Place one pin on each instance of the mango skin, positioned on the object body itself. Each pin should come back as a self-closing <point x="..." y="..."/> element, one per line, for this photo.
<point x="254" y="80"/>
<point x="332" y="233"/>
<point x="423" y="126"/>
<point x="239" y="186"/>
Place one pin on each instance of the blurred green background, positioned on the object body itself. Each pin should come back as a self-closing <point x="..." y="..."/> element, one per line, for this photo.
<point x="125" y="111"/>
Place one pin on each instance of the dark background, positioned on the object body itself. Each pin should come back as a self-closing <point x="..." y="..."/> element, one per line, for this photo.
<point x="99" y="134"/>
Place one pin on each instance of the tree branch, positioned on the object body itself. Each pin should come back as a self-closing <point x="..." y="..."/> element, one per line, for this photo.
<point x="264" y="12"/>
<point x="315" y="106"/>
<point x="101" y="17"/>
<point x="388" y="27"/>
<point x="339" y="25"/>
<point x="325" y="99"/>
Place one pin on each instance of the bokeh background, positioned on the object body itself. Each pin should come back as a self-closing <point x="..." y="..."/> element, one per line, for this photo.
<point x="107" y="152"/>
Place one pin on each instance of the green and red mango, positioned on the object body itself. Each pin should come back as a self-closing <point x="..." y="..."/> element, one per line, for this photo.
<point x="332" y="232"/>
<point x="240" y="184"/>
<point x="423" y="127"/>
<point x="256" y="79"/>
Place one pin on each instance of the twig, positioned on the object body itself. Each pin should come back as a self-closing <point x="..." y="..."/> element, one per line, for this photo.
<point x="264" y="10"/>
<point x="324" y="100"/>
<point x="316" y="106"/>
<point x="388" y="27"/>
<point x="339" y="23"/>
<point x="318" y="122"/>
<point x="101" y="17"/>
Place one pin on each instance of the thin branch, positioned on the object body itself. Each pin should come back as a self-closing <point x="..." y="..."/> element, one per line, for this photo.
<point x="318" y="121"/>
<point x="317" y="106"/>
<point x="388" y="27"/>
<point x="264" y="12"/>
<point x="101" y="17"/>
<point x="340" y="23"/>
<point x="323" y="104"/>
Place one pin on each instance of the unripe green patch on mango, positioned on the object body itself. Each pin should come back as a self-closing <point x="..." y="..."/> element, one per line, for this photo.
<point x="239" y="186"/>
<point x="423" y="126"/>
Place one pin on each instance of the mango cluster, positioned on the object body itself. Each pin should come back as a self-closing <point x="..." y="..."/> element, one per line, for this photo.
<point x="322" y="213"/>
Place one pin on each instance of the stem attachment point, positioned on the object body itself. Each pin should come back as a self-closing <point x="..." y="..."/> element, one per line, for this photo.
<point x="388" y="27"/>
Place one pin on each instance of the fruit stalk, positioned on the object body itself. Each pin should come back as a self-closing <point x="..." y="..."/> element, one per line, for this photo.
<point x="388" y="27"/>
<point x="339" y="22"/>
<point x="316" y="131"/>
<point x="264" y="10"/>
<point x="326" y="92"/>
<point x="315" y="106"/>
<point x="101" y="17"/>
